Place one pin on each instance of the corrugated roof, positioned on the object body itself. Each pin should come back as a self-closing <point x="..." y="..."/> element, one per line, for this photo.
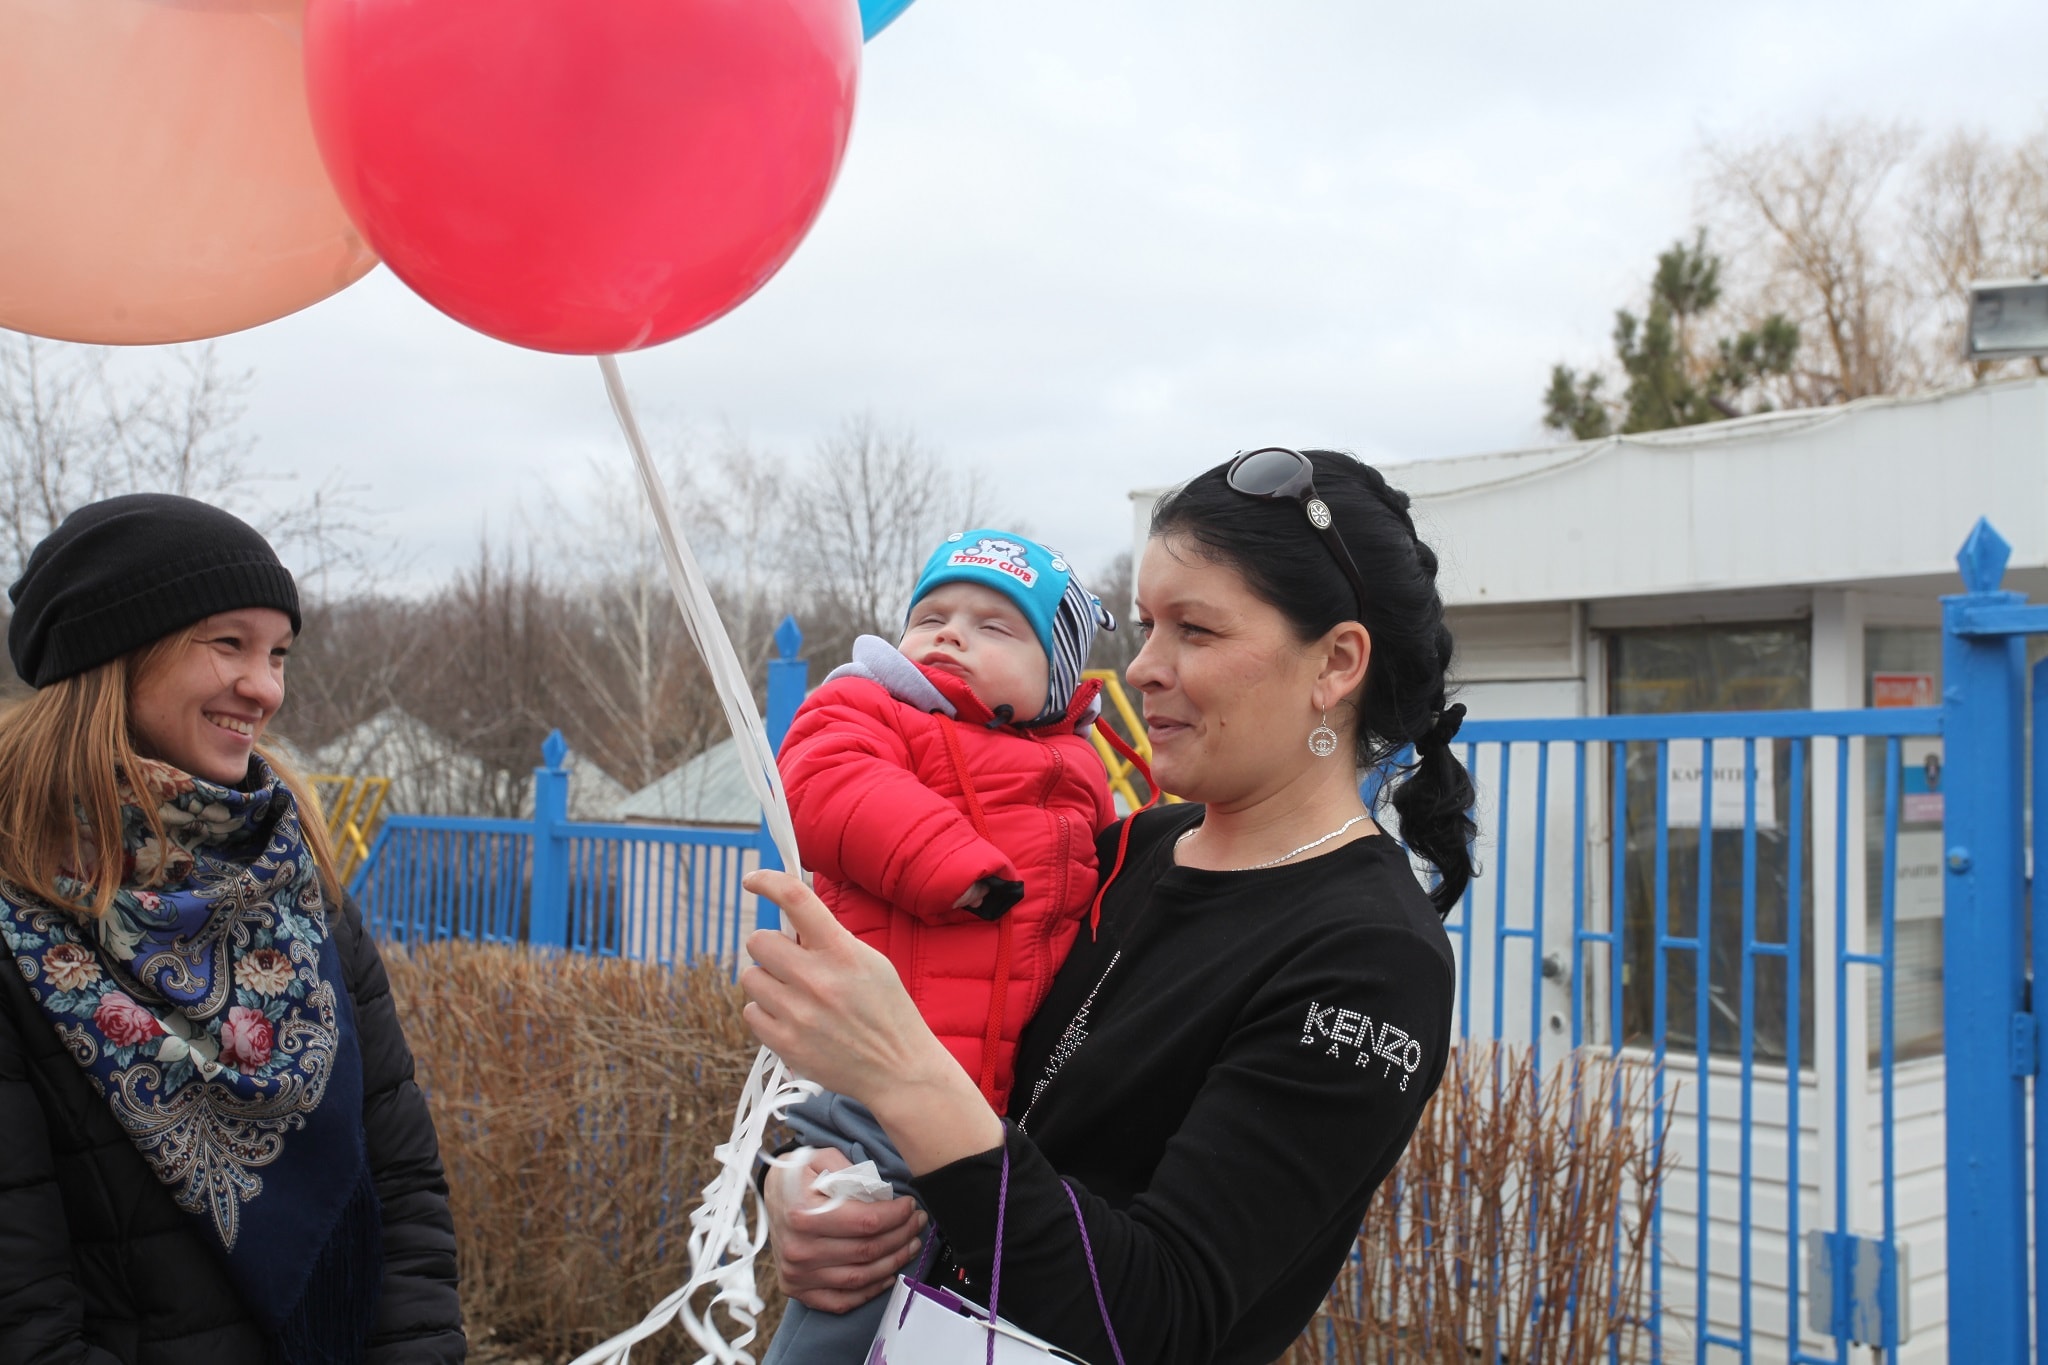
<point x="1880" y="489"/>
<point x="710" y="789"/>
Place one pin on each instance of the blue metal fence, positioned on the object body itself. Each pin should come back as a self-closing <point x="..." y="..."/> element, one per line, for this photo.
<point x="1545" y="962"/>
<point x="1992" y="1034"/>
<point x="1817" y="1176"/>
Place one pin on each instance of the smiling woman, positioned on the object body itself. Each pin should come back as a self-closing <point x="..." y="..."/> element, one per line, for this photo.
<point x="211" y="1146"/>
<point x="208" y="691"/>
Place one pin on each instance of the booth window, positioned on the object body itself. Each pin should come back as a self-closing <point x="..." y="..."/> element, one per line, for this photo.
<point x="1765" y="667"/>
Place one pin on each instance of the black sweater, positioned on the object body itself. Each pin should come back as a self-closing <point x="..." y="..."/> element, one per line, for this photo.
<point x="99" y="1267"/>
<point x="1251" y="1069"/>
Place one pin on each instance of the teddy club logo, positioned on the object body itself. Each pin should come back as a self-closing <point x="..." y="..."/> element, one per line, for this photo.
<point x="1004" y="556"/>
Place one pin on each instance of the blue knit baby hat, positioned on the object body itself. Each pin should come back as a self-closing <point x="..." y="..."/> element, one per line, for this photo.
<point x="1063" y="614"/>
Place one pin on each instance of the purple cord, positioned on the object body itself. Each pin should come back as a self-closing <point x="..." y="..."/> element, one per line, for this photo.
<point x="924" y="1260"/>
<point x="1088" y="1251"/>
<point x="995" y="1268"/>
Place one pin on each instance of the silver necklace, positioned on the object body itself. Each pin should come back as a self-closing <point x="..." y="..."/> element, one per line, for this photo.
<point x="1313" y="843"/>
<point x="1076" y="1032"/>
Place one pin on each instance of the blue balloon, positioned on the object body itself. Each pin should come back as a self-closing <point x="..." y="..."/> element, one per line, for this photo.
<point x="876" y="15"/>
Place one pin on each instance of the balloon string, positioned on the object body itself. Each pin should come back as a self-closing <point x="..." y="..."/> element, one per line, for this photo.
<point x="707" y="629"/>
<point x="723" y="1242"/>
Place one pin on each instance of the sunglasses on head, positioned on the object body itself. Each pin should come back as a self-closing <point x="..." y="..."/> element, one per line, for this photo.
<point x="1278" y="474"/>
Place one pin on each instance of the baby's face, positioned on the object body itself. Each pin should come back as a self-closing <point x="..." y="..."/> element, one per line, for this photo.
<point x="979" y="636"/>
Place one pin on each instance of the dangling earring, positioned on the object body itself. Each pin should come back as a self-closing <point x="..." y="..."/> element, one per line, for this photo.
<point x="1322" y="741"/>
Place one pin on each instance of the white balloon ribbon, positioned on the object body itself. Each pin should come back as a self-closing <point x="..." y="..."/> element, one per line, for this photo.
<point x="724" y="1242"/>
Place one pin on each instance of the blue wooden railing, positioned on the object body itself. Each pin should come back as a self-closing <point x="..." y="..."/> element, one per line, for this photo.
<point x="657" y="893"/>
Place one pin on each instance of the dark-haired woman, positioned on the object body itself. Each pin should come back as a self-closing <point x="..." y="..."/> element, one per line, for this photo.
<point x="211" y="1146"/>
<point x="1228" y="1066"/>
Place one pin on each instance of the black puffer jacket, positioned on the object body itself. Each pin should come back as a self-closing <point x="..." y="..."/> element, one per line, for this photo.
<point x="98" y="1266"/>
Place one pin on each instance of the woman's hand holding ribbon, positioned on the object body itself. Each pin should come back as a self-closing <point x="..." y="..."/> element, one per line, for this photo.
<point x="835" y="1010"/>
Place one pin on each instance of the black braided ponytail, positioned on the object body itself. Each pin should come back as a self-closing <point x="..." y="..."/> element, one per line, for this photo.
<point x="1403" y="701"/>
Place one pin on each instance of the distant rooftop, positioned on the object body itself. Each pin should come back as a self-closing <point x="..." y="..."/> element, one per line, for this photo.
<point x="430" y="774"/>
<point x="1880" y="489"/>
<point x="710" y="789"/>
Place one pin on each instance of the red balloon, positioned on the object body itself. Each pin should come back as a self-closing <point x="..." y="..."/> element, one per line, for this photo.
<point x="584" y="176"/>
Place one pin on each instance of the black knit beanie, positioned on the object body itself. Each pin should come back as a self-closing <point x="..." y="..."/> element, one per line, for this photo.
<point x="123" y="573"/>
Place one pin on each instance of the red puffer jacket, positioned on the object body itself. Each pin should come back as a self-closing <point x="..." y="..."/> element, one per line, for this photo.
<point x="899" y="811"/>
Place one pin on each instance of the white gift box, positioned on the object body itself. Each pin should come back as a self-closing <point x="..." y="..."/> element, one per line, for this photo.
<point x="930" y="1325"/>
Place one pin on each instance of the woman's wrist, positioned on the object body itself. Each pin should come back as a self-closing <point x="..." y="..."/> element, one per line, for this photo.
<point x="937" y="1116"/>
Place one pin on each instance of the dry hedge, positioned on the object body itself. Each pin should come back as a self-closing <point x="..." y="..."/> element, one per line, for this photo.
<point x="1516" y="1227"/>
<point x="578" y="1100"/>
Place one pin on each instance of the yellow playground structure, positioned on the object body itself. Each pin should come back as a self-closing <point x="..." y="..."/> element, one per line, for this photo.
<point x="352" y="805"/>
<point x="1124" y="777"/>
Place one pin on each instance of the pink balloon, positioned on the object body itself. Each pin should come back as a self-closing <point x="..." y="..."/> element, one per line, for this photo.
<point x="158" y="177"/>
<point x="583" y="176"/>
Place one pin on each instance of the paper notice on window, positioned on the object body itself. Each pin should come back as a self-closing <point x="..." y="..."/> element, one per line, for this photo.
<point x="1683" y="773"/>
<point x="1918" y="869"/>
<point x="1889" y="690"/>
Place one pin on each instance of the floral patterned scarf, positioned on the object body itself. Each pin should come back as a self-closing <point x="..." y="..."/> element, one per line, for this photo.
<point x="212" y="1015"/>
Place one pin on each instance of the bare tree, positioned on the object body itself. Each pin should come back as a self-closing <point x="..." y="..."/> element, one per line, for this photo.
<point x="1981" y="212"/>
<point x="490" y="679"/>
<point x="640" y="700"/>
<point x="57" y="447"/>
<point x="448" y="694"/>
<point x="75" y="428"/>
<point x="354" y="659"/>
<point x="875" y="501"/>
<point x="1815" y="218"/>
<point x="743" y="519"/>
<point x="579" y="632"/>
<point x="1867" y="237"/>
<point x="450" y="697"/>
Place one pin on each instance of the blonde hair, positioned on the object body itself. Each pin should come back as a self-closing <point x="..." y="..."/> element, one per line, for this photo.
<point x="62" y="753"/>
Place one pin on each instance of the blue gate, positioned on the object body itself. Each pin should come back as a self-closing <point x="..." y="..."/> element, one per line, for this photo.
<point x="1717" y="897"/>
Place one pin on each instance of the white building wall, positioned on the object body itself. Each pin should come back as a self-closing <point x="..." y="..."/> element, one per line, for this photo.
<point x="1921" y="1189"/>
<point x="1883" y="489"/>
<point x="1918" y="1101"/>
<point x="1771" y="1246"/>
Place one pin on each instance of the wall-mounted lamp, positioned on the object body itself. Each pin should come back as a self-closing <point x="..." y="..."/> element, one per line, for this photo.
<point x="2008" y="319"/>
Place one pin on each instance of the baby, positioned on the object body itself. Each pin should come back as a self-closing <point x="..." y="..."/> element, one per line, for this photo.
<point x="947" y="800"/>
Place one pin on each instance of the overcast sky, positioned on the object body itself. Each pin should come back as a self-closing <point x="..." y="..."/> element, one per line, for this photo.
<point x="1089" y="245"/>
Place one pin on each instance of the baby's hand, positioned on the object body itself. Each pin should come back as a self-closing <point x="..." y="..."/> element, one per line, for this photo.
<point x="990" y="897"/>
